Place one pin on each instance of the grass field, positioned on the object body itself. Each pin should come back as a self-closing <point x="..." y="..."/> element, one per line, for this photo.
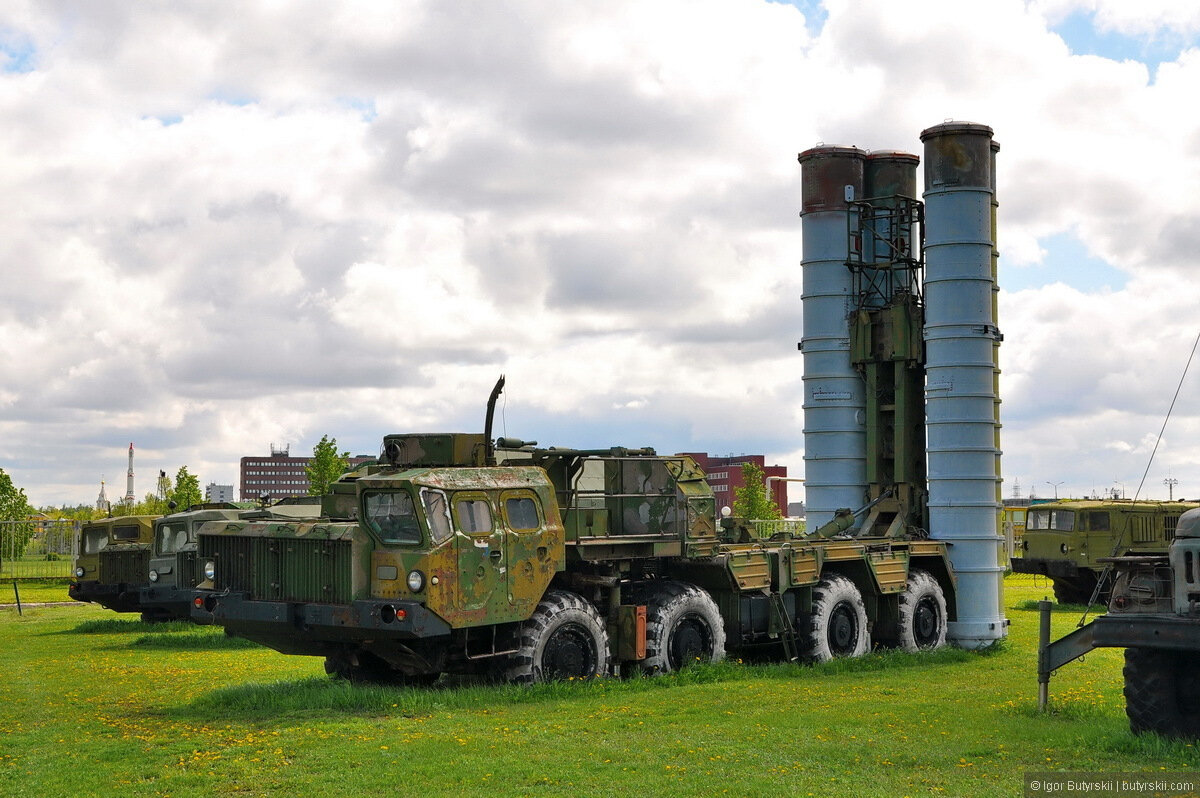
<point x="34" y="591"/>
<point x="39" y="567"/>
<point x="95" y="703"/>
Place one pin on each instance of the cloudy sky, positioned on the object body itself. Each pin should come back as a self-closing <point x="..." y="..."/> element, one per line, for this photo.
<point x="227" y="226"/>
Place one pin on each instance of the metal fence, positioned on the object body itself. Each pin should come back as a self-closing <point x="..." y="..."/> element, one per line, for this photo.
<point x="36" y="549"/>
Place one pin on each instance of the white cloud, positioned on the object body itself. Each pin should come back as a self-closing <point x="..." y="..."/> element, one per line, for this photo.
<point x="230" y="229"/>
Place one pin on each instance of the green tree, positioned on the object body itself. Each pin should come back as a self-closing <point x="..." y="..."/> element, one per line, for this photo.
<point x="186" y="491"/>
<point x="751" y="501"/>
<point x="80" y="512"/>
<point x="152" y="505"/>
<point x="326" y="466"/>
<point x="15" y="528"/>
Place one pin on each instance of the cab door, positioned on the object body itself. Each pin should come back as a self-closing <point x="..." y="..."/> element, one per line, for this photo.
<point x="482" y="568"/>
<point x="528" y="549"/>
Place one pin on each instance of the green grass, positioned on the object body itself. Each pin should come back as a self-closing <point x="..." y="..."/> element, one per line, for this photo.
<point x="33" y="591"/>
<point x="100" y="704"/>
<point x="127" y="623"/>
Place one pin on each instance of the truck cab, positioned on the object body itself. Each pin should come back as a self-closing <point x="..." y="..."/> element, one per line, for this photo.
<point x="439" y="543"/>
<point x="111" y="563"/>
<point x="173" y="572"/>
<point x="1068" y="541"/>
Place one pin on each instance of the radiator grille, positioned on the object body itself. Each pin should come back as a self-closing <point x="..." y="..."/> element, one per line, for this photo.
<point x="125" y="567"/>
<point x="188" y="572"/>
<point x="281" y="569"/>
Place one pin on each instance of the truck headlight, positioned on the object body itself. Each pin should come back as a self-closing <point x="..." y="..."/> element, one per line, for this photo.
<point x="210" y="570"/>
<point x="153" y="575"/>
<point x="416" y="581"/>
<point x="79" y="573"/>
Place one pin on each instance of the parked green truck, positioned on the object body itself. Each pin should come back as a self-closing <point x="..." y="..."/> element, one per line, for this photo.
<point x="172" y="573"/>
<point x="112" y="557"/>
<point x="1065" y="540"/>
<point x="535" y="564"/>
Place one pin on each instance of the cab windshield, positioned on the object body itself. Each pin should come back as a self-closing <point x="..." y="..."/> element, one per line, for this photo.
<point x="171" y="537"/>
<point x="94" y="539"/>
<point x="1058" y="520"/>
<point x="392" y="517"/>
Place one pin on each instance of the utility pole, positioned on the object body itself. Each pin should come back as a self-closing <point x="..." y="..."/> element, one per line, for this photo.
<point x="1055" y="484"/>
<point x="1170" y="482"/>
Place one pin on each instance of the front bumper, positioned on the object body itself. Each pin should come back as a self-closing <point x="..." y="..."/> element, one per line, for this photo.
<point x="119" y="597"/>
<point x="1035" y="565"/>
<point x="310" y="628"/>
<point x="172" y="600"/>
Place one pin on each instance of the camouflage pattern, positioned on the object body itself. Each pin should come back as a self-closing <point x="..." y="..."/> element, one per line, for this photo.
<point x="476" y="576"/>
<point x="111" y="561"/>
<point x="444" y="563"/>
<point x="440" y="449"/>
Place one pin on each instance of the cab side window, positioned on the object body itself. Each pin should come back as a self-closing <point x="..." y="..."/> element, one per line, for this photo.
<point x="437" y="512"/>
<point x="521" y="512"/>
<point x="474" y="515"/>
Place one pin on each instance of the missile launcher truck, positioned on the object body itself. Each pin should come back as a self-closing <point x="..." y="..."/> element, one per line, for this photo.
<point x="1154" y="614"/>
<point x="454" y="553"/>
<point x="461" y="553"/>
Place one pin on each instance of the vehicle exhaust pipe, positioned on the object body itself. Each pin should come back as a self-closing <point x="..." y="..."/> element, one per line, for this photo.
<point x="488" y="444"/>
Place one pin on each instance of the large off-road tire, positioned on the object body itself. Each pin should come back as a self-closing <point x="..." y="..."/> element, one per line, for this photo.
<point x="1159" y="693"/>
<point x="922" y="616"/>
<point x="836" y="625"/>
<point x="683" y="626"/>
<point x="363" y="667"/>
<point x="565" y="638"/>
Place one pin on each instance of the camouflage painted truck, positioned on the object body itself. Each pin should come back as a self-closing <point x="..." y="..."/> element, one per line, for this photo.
<point x="1154" y="614"/>
<point x="172" y="570"/>
<point x="112" y="558"/>
<point x="454" y="554"/>
<point x="1070" y="541"/>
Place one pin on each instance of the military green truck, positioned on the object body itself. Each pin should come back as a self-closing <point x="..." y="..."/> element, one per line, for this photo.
<point x="532" y="564"/>
<point x="1068" y="541"/>
<point x="172" y="571"/>
<point x="112" y="557"/>
<point x="1154" y="614"/>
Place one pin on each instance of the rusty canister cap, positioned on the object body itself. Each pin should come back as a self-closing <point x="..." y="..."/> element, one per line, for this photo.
<point x="958" y="155"/>
<point x="825" y="172"/>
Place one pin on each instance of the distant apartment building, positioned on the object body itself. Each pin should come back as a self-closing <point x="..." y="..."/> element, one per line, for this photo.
<point x="279" y="475"/>
<point x="725" y="477"/>
<point x="218" y="493"/>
